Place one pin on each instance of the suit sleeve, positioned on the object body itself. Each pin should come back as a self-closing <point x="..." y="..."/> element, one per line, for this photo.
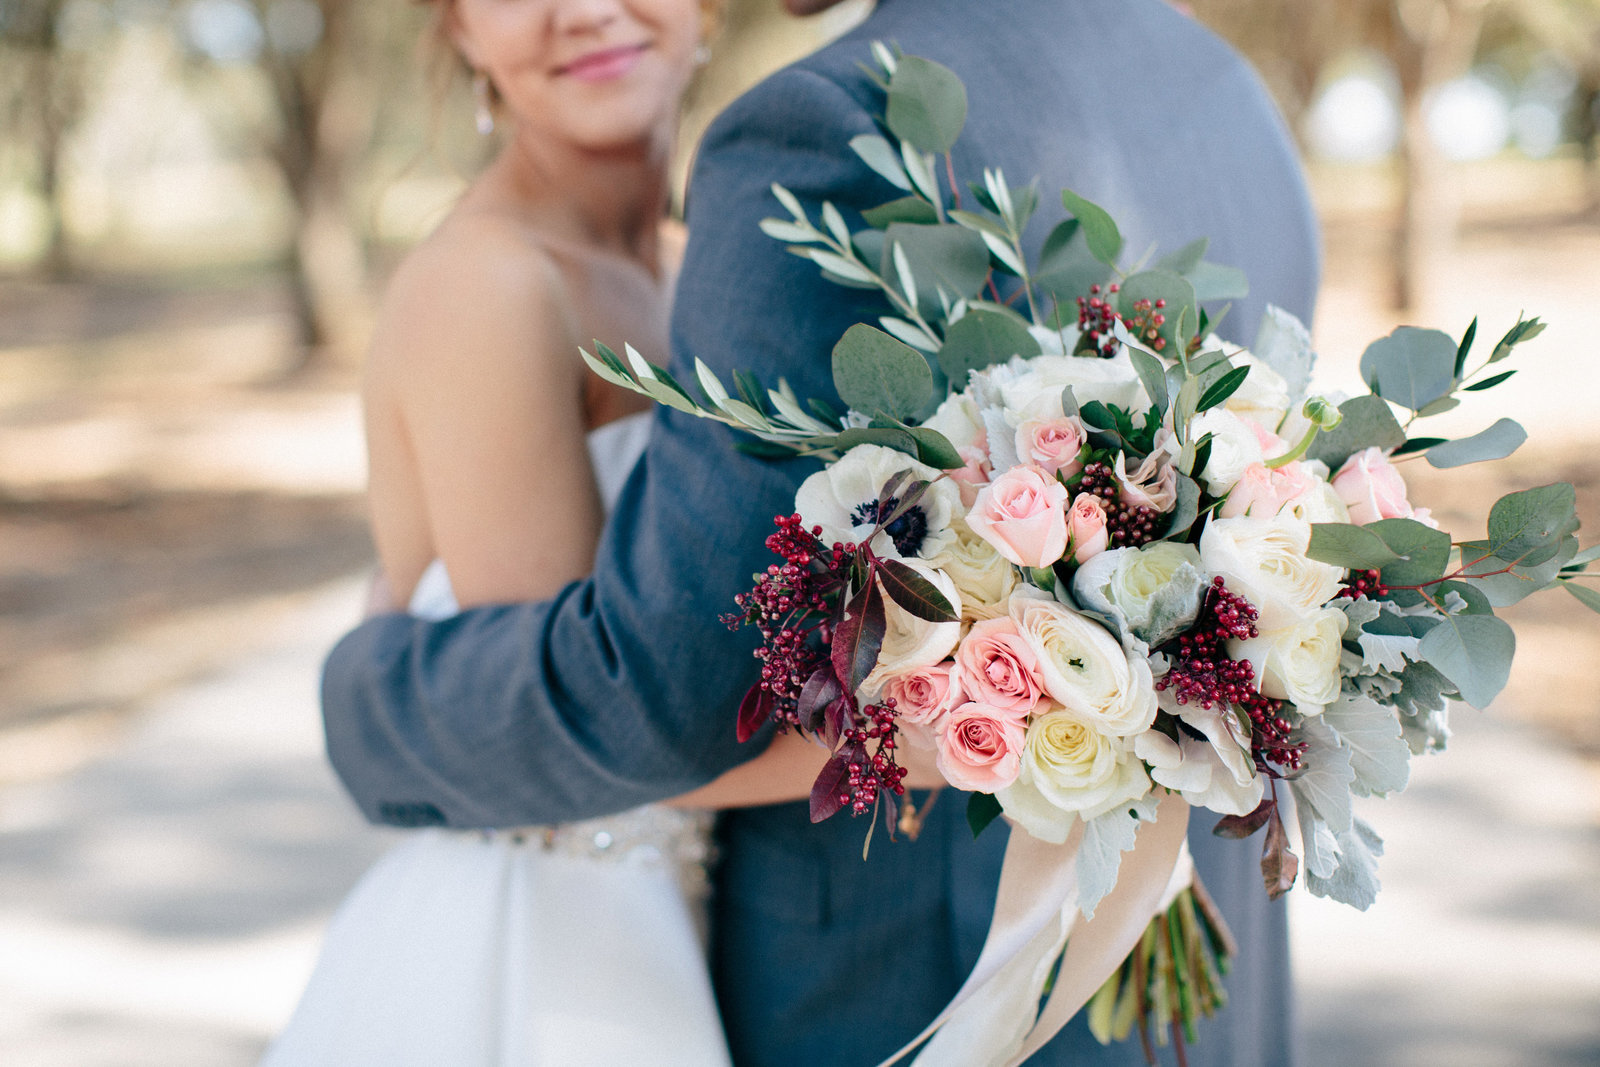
<point x="622" y="689"/>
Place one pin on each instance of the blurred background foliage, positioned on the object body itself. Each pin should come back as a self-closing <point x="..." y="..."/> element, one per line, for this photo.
<point x="305" y="138"/>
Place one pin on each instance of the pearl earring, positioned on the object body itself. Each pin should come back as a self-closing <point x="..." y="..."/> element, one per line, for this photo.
<point x="483" y="112"/>
<point x="702" y="54"/>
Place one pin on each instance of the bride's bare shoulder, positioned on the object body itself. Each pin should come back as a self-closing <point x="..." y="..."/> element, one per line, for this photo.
<point x="481" y="278"/>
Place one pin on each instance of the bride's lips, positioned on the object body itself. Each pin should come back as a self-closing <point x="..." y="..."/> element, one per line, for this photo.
<point x="605" y="64"/>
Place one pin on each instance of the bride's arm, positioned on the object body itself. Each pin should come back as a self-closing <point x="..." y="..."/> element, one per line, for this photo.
<point x="786" y="771"/>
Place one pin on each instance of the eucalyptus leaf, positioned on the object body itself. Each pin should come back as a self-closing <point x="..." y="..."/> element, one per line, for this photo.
<point x="934" y="449"/>
<point x="1213" y="281"/>
<point x="1156" y="286"/>
<point x="1497" y="442"/>
<point x="944" y="255"/>
<point x="1465" y="347"/>
<point x="910" y="209"/>
<point x="1153" y="373"/>
<point x="927" y="104"/>
<point x="1284" y="344"/>
<point x="1489" y="383"/>
<point x="874" y="373"/>
<point x="1186" y="258"/>
<point x="1528" y="527"/>
<point x="982" y="339"/>
<point x="1411" y="367"/>
<point x="1423" y="552"/>
<point x="1067" y="269"/>
<point x="1367" y="422"/>
<point x="1105" y="240"/>
<point x="1504" y="581"/>
<point x="1353" y="547"/>
<point x="1186" y="510"/>
<point x="1524" y="330"/>
<point x="1474" y="652"/>
<point x="886" y="436"/>
<point x="1589" y="598"/>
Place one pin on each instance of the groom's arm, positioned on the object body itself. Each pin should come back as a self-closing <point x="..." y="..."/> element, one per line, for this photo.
<point x="622" y="689"/>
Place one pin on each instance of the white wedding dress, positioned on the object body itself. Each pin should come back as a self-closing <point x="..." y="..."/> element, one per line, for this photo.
<point x="577" y="945"/>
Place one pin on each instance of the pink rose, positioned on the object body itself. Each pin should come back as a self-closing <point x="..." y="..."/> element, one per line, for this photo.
<point x="1086" y="527"/>
<point x="999" y="668"/>
<point x="1262" y="492"/>
<point x="1023" y="515"/>
<point x="1271" y="444"/>
<point x="980" y="747"/>
<point x="1371" y="488"/>
<point x="923" y="696"/>
<point x="1052" y="444"/>
<point x="975" y="472"/>
<point x="1153" y="484"/>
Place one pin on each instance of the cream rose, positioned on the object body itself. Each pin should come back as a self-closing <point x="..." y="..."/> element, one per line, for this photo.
<point x="1263" y="397"/>
<point x="1070" y="770"/>
<point x="1234" y="447"/>
<point x="1022" y="513"/>
<point x="1085" y="669"/>
<point x="1264" y="561"/>
<point x="980" y="747"/>
<point x="1156" y="590"/>
<point x="843" y="500"/>
<point x="911" y="643"/>
<point x="983" y="577"/>
<point x="1299" y="663"/>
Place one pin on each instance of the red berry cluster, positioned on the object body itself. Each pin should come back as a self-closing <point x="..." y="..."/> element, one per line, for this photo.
<point x="1146" y="321"/>
<point x="1127" y="525"/>
<point x="1097" y="318"/>
<point x="878" y="770"/>
<point x="1203" y="672"/>
<point x="1364" y="584"/>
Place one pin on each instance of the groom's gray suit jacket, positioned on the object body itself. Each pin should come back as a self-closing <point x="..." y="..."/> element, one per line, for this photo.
<point x="621" y="690"/>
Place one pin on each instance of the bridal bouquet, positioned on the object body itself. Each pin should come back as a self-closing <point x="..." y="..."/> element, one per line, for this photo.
<point x="1098" y="559"/>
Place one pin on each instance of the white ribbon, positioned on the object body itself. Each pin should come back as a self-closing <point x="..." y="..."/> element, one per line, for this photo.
<point x="994" y="1020"/>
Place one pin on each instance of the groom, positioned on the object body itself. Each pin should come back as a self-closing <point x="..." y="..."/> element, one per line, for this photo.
<point x="621" y="690"/>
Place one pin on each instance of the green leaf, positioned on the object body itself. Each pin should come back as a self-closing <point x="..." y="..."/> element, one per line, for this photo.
<point x="1105" y="240"/>
<point x="1411" y="367"/>
<point x="981" y="339"/>
<point x="1353" y="547"/>
<point x="1368" y="421"/>
<point x="1583" y="559"/>
<point x="912" y="209"/>
<point x="914" y="593"/>
<point x="1528" y="527"/>
<point x="1489" y="383"/>
<point x="944" y="256"/>
<point x="1419" y="444"/>
<point x="1161" y="285"/>
<point x="1504" y="581"/>
<point x="927" y="104"/>
<point x="1439" y="407"/>
<point x="1423" y="552"/>
<point x="1222" y="389"/>
<point x="1186" y="510"/>
<point x="935" y="449"/>
<point x="1524" y="330"/>
<point x="881" y="156"/>
<point x="876" y="374"/>
<point x="1153" y="373"/>
<point x="1465" y="347"/>
<point x="982" y="809"/>
<point x="1497" y="442"/>
<point x="1213" y="281"/>
<point x="1067" y="268"/>
<point x="1589" y="598"/>
<point x="1186" y="258"/>
<point x="1474" y="652"/>
<point x="885" y="436"/>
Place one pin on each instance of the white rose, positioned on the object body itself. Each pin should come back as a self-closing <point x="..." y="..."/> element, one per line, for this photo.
<point x="1070" y="771"/>
<point x="843" y="499"/>
<point x="1056" y="342"/>
<point x="1156" y="589"/>
<point x="1321" y="503"/>
<point x="958" y="419"/>
<point x="1086" y="669"/>
<point x="1299" y="663"/>
<point x="1264" y="561"/>
<point x="982" y="576"/>
<point x="910" y="643"/>
<point x="1263" y="397"/>
<point x="1035" y="393"/>
<point x="1235" y="445"/>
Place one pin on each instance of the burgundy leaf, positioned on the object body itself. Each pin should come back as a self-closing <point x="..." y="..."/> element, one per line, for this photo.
<point x="1240" y="827"/>
<point x="914" y="593"/>
<point x="1279" y="866"/>
<point x="754" y="710"/>
<point x="820" y="690"/>
<point x="832" y="784"/>
<point x="859" y="637"/>
<point x="833" y="719"/>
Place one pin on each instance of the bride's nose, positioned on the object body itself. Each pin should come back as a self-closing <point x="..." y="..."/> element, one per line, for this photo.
<point x="585" y="16"/>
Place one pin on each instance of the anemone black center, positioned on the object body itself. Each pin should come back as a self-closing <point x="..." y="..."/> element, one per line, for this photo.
<point x="906" y="531"/>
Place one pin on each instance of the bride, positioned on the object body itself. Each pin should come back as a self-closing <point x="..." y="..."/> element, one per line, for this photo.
<point x="494" y="458"/>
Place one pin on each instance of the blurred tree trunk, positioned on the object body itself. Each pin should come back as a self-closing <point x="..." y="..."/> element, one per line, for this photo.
<point x="1431" y="42"/>
<point x="324" y="122"/>
<point x="53" y="90"/>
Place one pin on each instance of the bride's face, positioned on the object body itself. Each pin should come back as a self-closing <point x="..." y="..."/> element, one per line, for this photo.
<point x="597" y="74"/>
